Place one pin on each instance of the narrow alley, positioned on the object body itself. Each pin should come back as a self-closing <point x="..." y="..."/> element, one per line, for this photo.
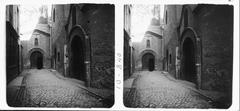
<point x="47" y="88"/>
<point x="155" y="90"/>
<point x="178" y="56"/>
<point x="60" y="55"/>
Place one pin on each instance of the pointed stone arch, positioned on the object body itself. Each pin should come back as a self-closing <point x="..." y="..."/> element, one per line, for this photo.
<point x="79" y="54"/>
<point x="190" y="48"/>
<point x="151" y="61"/>
<point x="40" y="52"/>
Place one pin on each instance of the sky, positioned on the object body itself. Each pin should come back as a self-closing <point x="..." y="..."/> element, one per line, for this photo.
<point x="161" y="11"/>
<point x="141" y="18"/>
<point x="29" y="15"/>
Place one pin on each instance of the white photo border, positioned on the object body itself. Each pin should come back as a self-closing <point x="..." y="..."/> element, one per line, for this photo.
<point x="118" y="102"/>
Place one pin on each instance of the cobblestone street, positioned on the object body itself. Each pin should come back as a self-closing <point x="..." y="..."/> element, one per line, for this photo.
<point x="42" y="88"/>
<point x="154" y="89"/>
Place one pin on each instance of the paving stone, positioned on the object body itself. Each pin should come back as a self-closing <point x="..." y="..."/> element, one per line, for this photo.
<point x="153" y="89"/>
<point x="43" y="89"/>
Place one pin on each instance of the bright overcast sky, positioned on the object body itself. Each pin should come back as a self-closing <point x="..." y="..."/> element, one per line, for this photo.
<point x="141" y="18"/>
<point x="29" y="15"/>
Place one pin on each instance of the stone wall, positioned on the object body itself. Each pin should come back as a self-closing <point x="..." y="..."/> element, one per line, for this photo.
<point x="58" y="37"/>
<point x="171" y="37"/>
<point x="12" y="42"/>
<point x="127" y="56"/>
<point x="97" y="21"/>
<point x="12" y="16"/>
<point x="127" y="39"/>
<point x="215" y="28"/>
<point x="101" y="31"/>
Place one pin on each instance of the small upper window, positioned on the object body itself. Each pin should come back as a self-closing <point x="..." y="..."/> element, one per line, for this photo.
<point x="55" y="54"/>
<point x="36" y="42"/>
<point x="58" y="56"/>
<point x="186" y="18"/>
<point x="148" y="43"/>
<point x="74" y="15"/>
<point x="170" y="58"/>
<point x="166" y="17"/>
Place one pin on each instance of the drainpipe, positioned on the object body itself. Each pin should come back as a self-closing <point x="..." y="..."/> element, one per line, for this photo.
<point x="87" y="64"/>
<point x="198" y="64"/>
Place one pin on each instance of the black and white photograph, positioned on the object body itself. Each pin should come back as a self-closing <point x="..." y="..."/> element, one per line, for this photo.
<point x="178" y="56"/>
<point x="60" y="55"/>
<point x="119" y="55"/>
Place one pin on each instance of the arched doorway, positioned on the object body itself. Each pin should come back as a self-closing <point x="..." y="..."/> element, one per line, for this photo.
<point x="79" y="52"/>
<point x="77" y="58"/>
<point x="148" y="62"/>
<point x="188" y="61"/>
<point x="36" y="60"/>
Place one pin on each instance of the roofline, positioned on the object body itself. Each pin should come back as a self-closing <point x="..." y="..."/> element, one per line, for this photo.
<point x="48" y="34"/>
<point x="154" y="34"/>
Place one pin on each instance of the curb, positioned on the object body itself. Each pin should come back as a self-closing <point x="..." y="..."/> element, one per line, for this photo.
<point x="209" y="99"/>
<point x="20" y="91"/>
<point x="99" y="97"/>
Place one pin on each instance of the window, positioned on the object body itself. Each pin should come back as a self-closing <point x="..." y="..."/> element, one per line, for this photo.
<point x="186" y="18"/>
<point x="74" y="15"/>
<point x="53" y="15"/>
<point x="148" y="43"/>
<point x="166" y="17"/>
<point x="11" y="14"/>
<point x="58" y="56"/>
<point x="129" y="11"/>
<point x="36" y="42"/>
<point x="167" y="59"/>
<point x="55" y="55"/>
<point x="170" y="59"/>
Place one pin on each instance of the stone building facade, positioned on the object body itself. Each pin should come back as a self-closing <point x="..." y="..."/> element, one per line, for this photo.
<point x="127" y="43"/>
<point x="36" y="50"/>
<point x="13" y="63"/>
<point x="172" y="14"/>
<point x="199" y="44"/>
<point x="59" y="35"/>
<point x="82" y="41"/>
<point x="148" y="52"/>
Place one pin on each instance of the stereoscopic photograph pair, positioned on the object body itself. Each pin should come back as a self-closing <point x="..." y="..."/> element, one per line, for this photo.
<point x="175" y="56"/>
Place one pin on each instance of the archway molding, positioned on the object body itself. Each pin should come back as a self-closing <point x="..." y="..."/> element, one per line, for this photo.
<point x="78" y="31"/>
<point x="145" y="52"/>
<point x="31" y="51"/>
<point x="190" y="34"/>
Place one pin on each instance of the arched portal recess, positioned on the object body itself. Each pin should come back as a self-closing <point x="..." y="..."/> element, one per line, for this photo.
<point x="79" y="55"/>
<point x="78" y="68"/>
<point x="148" y="62"/>
<point x="188" y="61"/>
<point x="36" y="60"/>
